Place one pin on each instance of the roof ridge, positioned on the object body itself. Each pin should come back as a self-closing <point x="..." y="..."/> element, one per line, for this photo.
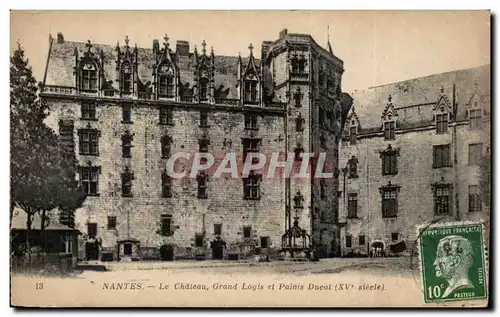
<point x="145" y="48"/>
<point x="427" y="76"/>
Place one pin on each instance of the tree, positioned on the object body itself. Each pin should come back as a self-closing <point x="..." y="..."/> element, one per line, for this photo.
<point x="26" y="120"/>
<point x="42" y="171"/>
<point x="485" y="179"/>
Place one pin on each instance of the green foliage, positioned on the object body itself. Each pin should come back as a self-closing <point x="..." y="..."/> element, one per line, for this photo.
<point x="42" y="171"/>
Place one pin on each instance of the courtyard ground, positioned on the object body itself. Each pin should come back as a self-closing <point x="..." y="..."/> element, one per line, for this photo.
<point x="397" y="265"/>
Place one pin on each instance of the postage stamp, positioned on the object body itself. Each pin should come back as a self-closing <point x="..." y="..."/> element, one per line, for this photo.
<point x="452" y="261"/>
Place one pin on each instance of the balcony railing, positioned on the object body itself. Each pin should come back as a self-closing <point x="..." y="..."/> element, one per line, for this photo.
<point x="299" y="76"/>
<point x="62" y="90"/>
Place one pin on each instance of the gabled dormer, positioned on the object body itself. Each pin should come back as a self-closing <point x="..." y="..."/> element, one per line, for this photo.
<point x="475" y="111"/>
<point x="165" y="73"/>
<point x="126" y="69"/>
<point x="204" y="81"/>
<point x="389" y="120"/>
<point x="352" y="127"/>
<point x="88" y="70"/>
<point x="442" y="113"/>
<point x="249" y="78"/>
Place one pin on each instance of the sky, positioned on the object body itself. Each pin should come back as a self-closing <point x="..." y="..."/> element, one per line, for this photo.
<point x="377" y="47"/>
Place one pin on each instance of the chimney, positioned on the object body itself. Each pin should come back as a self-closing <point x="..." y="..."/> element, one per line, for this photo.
<point x="156" y="46"/>
<point x="283" y="33"/>
<point x="265" y="48"/>
<point x="182" y="48"/>
<point x="60" y="38"/>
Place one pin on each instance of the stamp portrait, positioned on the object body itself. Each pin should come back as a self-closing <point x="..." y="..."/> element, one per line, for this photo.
<point x="305" y="159"/>
<point x="452" y="259"/>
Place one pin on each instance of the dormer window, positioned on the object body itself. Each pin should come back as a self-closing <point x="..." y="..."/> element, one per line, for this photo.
<point x="442" y="111"/>
<point x="389" y="118"/>
<point x="126" y="78"/>
<point x="475" y="118"/>
<point x="88" y="77"/>
<point x="250" y="91"/>
<point x="353" y="135"/>
<point x="203" y="89"/>
<point x="389" y="130"/>
<point x="166" y="82"/>
<point x="441" y="123"/>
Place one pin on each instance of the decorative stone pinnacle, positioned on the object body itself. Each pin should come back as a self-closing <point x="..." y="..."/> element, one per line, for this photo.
<point x="89" y="45"/>
<point x="442" y="89"/>
<point x="166" y="38"/>
<point x="204" y="44"/>
<point x="390" y="98"/>
<point x="250" y="47"/>
<point x="126" y="40"/>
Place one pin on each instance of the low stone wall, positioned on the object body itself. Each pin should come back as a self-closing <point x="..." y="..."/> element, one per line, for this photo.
<point x="52" y="263"/>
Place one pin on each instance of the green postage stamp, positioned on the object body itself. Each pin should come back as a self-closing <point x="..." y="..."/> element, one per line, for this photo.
<point x="452" y="261"/>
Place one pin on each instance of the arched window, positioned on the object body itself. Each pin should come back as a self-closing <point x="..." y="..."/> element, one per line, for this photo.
<point x="166" y="81"/>
<point x="126" y="77"/>
<point x="88" y="76"/>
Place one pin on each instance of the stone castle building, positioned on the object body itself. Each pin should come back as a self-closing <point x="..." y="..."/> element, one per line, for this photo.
<point x="125" y="110"/>
<point x="409" y="155"/>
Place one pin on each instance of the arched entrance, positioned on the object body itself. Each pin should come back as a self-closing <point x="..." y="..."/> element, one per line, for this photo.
<point x="377" y="249"/>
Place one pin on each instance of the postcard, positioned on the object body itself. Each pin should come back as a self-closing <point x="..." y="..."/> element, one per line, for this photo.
<point x="250" y="158"/>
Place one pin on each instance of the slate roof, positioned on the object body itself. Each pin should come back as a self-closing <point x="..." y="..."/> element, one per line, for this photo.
<point x="61" y="61"/>
<point x="414" y="99"/>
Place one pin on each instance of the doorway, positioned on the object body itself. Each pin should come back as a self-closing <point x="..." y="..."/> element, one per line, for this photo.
<point x="127" y="249"/>
<point x="91" y="251"/>
<point x="377" y="249"/>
